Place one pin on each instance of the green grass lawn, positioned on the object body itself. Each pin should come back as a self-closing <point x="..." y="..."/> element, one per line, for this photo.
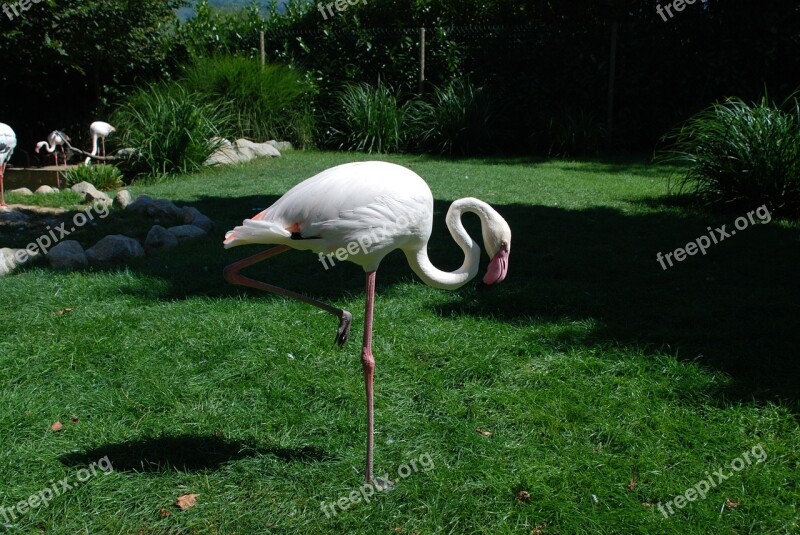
<point x="591" y="379"/>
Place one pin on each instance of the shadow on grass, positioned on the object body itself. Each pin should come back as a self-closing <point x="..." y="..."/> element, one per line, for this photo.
<point x="735" y="309"/>
<point x="187" y="453"/>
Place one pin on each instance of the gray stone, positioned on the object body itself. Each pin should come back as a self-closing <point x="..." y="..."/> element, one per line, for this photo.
<point x="68" y="254"/>
<point x="262" y="150"/>
<point x="84" y="187"/>
<point x="192" y="216"/>
<point x="159" y="239"/>
<point x="280" y="145"/>
<point x="140" y="204"/>
<point x="21" y="191"/>
<point x="92" y="197"/>
<point x="114" y="248"/>
<point x="122" y="199"/>
<point x="228" y="156"/>
<point x="164" y="209"/>
<point x="187" y="232"/>
<point x="44" y="190"/>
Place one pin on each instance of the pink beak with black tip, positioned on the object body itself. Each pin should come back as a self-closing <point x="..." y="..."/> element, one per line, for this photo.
<point x="498" y="267"/>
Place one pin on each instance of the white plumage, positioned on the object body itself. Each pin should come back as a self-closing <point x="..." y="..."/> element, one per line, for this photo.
<point x="8" y="142"/>
<point x="380" y="204"/>
<point x="99" y="132"/>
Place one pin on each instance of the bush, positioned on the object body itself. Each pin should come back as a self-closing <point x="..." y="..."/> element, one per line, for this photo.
<point x="455" y="122"/>
<point x="269" y="102"/>
<point x="173" y="130"/>
<point x="740" y="154"/>
<point x="369" y="119"/>
<point x="103" y="177"/>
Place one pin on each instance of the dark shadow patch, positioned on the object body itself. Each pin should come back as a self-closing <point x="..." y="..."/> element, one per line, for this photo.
<point x="187" y="453"/>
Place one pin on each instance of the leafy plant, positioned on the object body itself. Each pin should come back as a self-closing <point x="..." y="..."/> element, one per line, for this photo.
<point x="172" y="129"/>
<point x="269" y="102"/>
<point x="103" y="177"/>
<point x="370" y="119"/>
<point x="739" y="153"/>
<point x="456" y="121"/>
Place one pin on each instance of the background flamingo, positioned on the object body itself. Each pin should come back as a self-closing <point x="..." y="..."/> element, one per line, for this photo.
<point x="99" y="131"/>
<point x="8" y="142"/>
<point x="55" y="140"/>
<point x="379" y="207"/>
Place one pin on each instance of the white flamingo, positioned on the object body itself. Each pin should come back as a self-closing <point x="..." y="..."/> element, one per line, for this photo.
<point x="8" y="142"/>
<point x="55" y="140"/>
<point x="99" y="131"/>
<point x="368" y="209"/>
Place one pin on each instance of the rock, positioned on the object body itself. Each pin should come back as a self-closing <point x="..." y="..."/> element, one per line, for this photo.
<point x="122" y="199"/>
<point x="280" y="145"/>
<point x="21" y="191"/>
<point x="84" y="187"/>
<point x="114" y="248"/>
<point x="187" y="232"/>
<point x="159" y="239"/>
<point x="164" y="209"/>
<point x="227" y="156"/>
<point x="68" y="254"/>
<point x="261" y="150"/>
<point x="221" y="142"/>
<point x="95" y="197"/>
<point x="44" y="190"/>
<point x="11" y="259"/>
<point x="141" y="204"/>
<point x="192" y="216"/>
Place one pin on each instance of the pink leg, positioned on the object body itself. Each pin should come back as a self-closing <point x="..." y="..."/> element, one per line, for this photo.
<point x="368" y="364"/>
<point x="2" y="191"/>
<point x="58" y="177"/>
<point x="104" y="146"/>
<point x="231" y="274"/>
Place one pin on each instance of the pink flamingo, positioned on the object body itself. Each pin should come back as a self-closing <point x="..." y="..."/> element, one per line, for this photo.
<point x="99" y="131"/>
<point x="8" y="142"/>
<point x="367" y="210"/>
<point x="55" y="140"/>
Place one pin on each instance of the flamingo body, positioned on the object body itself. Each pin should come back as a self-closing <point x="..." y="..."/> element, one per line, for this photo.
<point x="327" y="212"/>
<point x="8" y="142"/>
<point x="55" y="140"/>
<point x="99" y="131"/>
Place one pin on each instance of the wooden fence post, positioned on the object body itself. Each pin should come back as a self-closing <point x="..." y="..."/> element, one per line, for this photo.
<point x="263" y="49"/>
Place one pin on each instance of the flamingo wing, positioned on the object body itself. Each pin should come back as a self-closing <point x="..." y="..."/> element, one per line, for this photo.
<point x="342" y="205"/>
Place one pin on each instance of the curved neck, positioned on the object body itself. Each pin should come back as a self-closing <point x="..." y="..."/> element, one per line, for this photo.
<point x="47" y="146"/>
<point x="94" y="145"/>
<point x="421" y="264"/>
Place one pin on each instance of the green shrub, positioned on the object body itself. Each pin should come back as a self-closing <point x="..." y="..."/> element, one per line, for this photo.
<point x="173" y="130"/>
<point x="269" y="102"/>
<point x="103" y="177"/>
<point x="369" y="119"/>
<point x="741" y="154"/>
<point x="456" y="121"/>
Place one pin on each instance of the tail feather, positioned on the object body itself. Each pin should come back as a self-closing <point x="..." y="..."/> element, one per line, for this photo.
<point x="252" y="231"/>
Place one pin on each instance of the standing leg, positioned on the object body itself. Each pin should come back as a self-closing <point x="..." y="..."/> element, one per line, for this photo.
<point x="232" y="275"/>
<point x="58" y="178"/>
<point x="368" y="365"/>
<point x="2" y="191"/>
<point x="104" y="146"/>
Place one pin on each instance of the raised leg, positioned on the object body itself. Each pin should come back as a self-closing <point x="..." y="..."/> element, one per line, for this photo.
<point x="232" y="275"/>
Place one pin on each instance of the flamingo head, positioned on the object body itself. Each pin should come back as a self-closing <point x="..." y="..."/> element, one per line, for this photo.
<point x="497" y="240"/>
